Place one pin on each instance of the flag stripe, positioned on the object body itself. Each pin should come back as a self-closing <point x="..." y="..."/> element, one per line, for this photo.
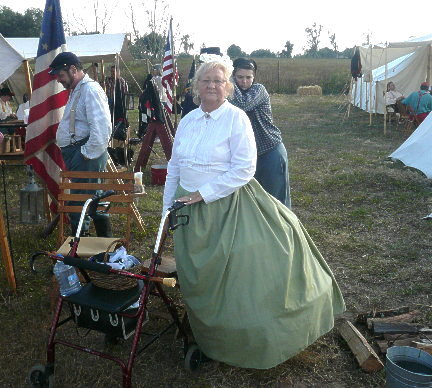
<point x="45" y="122"/>
<point x="168" y="76"/>
<point x="34" y="145"/>
<point x="42" y="78"/>
<point x="39" y="95"/>
<point x="52" y="102"/>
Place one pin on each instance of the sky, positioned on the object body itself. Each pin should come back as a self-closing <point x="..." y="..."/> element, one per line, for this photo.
<point x="265" y="24"/>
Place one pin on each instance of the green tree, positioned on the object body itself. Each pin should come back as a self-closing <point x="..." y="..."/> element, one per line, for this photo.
<point x="262" y="53"/>
<point x="148" y="46"/>
<point x="287" y="52"/>
<point x="313" y="39"/>
<point x="326" y="53"/>
<point x="347" y="53"/>
<point x="16" y="25"/>
<point x="235" y="51"/>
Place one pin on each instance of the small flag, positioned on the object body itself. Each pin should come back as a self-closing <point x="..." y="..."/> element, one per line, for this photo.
<point x="47" y="103"/>
<point x="169" y="74"/>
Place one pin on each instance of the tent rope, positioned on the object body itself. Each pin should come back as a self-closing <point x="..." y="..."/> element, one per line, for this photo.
<point x="139" y="87"/>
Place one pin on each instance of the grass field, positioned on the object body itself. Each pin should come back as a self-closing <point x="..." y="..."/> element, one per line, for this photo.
<point x="363" y="212"/>
<point x="278" y="75"/>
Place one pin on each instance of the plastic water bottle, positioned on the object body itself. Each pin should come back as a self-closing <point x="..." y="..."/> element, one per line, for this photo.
<point x="67" y="278"/>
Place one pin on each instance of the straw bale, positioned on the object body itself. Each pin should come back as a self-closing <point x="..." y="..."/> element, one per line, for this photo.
<point x="311" y="90"/>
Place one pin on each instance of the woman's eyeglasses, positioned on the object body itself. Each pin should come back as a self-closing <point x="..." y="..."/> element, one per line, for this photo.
<point x="207" y="82"/>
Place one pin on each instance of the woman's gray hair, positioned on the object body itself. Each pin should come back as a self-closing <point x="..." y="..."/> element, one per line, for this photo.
<point x="204" y="68"/>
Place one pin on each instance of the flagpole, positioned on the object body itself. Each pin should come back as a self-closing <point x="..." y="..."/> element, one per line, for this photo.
<point x="27" y="77"/>
<point x="174" y="76"/>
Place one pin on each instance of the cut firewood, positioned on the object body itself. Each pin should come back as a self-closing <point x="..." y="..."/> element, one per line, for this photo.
<point x="380" y="328"/>
<point x="419" y="345"/>
<point x="409" y="317"/>
<point x="362" y="317"/>
<point x="384" y="345"/>
<point x="363" y="352"/>
<point x="394" y="337"/>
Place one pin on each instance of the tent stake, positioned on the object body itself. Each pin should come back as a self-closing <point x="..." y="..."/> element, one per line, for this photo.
<point x="385" y="83"/>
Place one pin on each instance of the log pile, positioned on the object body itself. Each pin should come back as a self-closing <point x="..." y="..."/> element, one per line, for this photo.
<point x="386" y="328"/>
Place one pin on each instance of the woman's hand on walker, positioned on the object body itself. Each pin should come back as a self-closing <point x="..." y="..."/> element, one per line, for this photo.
<point x="190" y="199"/>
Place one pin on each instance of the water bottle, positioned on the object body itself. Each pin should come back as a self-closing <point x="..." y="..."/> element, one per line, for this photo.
<point x="67" y="278"/>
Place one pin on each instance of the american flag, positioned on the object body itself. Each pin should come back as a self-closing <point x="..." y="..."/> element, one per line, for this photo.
<point x="47" y="103"/>
<point x="169" y="74"/>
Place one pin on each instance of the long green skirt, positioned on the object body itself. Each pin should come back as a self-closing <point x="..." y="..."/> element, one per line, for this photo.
<point x="256" y="288"/>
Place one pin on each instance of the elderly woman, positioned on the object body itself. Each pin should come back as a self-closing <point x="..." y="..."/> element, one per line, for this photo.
<point x="256" y="289"/>
<point x="272" y="163"/>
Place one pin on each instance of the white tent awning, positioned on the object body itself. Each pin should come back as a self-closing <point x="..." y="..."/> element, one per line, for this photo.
<point x="89" y="48"/>
<point x="14" y="59"/>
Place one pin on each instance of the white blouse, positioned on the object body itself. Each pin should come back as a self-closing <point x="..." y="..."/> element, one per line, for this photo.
<point x="213" y="153"/>
<point x="391" y="96"/>
<point x="5" y="109"/>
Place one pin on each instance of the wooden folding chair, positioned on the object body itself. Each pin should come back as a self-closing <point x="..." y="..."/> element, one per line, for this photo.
<point x="121" y="203"/>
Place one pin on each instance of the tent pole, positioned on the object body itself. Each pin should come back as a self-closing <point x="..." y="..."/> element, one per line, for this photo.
<point x="428" y="75"/>
<point x="103" y="75"/>
<point x="350" y="98"/>
<point x="355" y="91"/>
<point x="376" y="97"/>
<point x="361" y="94"/>
<point x="385" y="85"/>
<point x="27" y="78"/>
<point x="370" y="89"/>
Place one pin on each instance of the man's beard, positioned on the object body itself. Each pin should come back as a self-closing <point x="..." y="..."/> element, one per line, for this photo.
<point x="68" y="83"/>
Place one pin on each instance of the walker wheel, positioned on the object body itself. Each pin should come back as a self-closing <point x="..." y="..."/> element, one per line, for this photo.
<point x="40" y="377"/>
<point x="193" y="357"/>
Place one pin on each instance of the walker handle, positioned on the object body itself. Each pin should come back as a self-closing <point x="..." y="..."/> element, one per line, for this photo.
<point x="102" y="195"/>
<point x="173" y="217"/>
<point x="169" y="282"/>
<point x="95" y="202"/>
<point x="176" y="206"/>
<point x="85" y="264"/>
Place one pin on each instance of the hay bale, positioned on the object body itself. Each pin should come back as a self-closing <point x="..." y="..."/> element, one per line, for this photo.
<point x="311" y="90"/>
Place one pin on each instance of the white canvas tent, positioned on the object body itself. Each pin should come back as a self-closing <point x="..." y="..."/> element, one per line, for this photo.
<point x="10" y="59"/>
<point x="407" y="64"/>
<point x="416" y="150"/>
<point x="89" y="48"/>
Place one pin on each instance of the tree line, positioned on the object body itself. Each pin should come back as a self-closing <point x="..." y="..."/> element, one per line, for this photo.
<point x="151" y="44"/>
